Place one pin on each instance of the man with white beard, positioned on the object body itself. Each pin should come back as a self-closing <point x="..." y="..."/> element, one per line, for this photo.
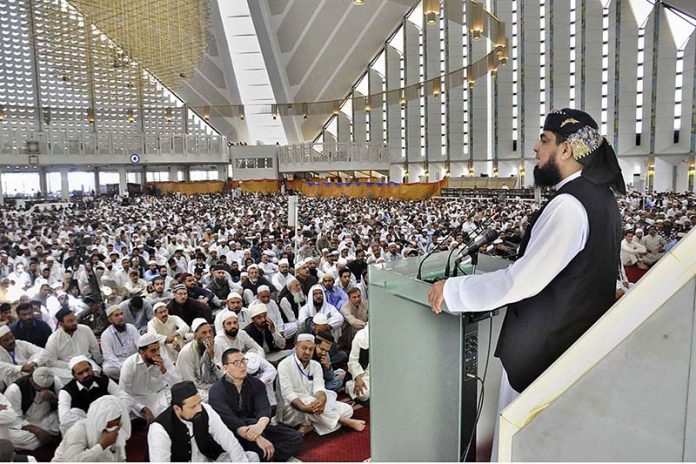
<point x="291" y="297"/>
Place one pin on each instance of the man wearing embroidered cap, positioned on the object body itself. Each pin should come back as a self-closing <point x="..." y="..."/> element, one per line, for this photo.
<point x="196" y="359"/>
<point x="568" y="256"/>
<point x="146" y="378"/>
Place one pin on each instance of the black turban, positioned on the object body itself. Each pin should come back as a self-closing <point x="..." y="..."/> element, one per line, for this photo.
<point x="590" y="148"/>
<point x="62" y="313"/>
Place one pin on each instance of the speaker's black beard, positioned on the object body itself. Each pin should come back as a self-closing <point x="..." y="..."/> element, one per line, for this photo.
<point x="547" y="176"/>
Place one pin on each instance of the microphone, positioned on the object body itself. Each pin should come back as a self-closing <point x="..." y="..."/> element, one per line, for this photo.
<point x="471" y="240"/>
<point x="481" y="241"/>
<point x="486" y="238"/>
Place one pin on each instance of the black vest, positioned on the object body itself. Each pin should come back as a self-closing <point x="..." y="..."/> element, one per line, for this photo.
<point x="29" y="393"/>
<point x="539" y="329"/>
<point x="259" y="336"/>
<point x="83" y="398"/>
<point x="181" y="440"/>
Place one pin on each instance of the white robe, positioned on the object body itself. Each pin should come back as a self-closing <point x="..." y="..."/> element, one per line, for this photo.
<point x="11" y="370"/>
<point x="145" y="386"/>
<point x="67" y="415"/>
<point x="243" y="342"/>
<point x="117" y="347"/>
<point x="295" y="384"/>
<point x="188" y="366"/>
<point x="61" y="348"/>
<point x="360" y="341"/>
<point x="173" y="324"/>
<point x="38" y="414"/>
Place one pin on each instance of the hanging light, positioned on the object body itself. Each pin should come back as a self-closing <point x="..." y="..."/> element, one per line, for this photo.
<point x="206" y="113"/>
<point x="274" y="111"/>
<point x="431" y="9"/>
<point x="402" y="101"/>
<point x="90" y="115"/>
<point x="168" y="113"/>
<point x="242" y="115"/>
<point x="358" y="2"/>
<point x="368" y="107"/>
<point x="2" y="112"/>
<point x="304" y="110"/>
<point x="130" y="116"/>
<point x="336" y="109"/>
<point x="436" y="89"/>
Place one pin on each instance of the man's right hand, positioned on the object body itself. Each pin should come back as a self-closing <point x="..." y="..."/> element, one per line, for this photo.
<point x="29" y="367"/>
<point x="170" y="338"/>
<point x="108" y="438"/>
<point x="149" y="417"/>
<point x="271" y="325"/>
<point x="359" y="385"/>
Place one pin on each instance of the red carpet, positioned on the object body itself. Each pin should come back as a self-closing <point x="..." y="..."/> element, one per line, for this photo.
<point x="343" y="446"/>
<point x="633" y="273"/>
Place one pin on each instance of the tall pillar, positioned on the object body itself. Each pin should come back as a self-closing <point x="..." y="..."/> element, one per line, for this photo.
<point x="64" y="186"/>
<point x="43" y="183"/>
<point x="143" y="176"/>
<point x="187" y="173"/>
<point x="2" y="193"/>
<point x="122" y="181"/>
<point x="97" y="182"/>
<point x="222" y="172"/>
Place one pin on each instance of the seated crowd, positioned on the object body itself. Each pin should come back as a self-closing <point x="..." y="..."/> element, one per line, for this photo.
<point x="207" y="318"/>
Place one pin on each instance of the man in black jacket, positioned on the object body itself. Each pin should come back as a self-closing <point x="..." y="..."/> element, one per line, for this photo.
<point x="242" y="403"/>
<point x="564" y="279"/>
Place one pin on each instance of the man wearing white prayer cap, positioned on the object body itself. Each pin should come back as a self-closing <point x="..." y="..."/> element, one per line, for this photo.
<point x="317" y="303"/>
<point x="304" y="399"/>
<point x="118" y="342"/>
<point x="101" y="436"/>
<point x="77" y="395"/>
<point x="234" y="305"/>
<point x="146" y="379"/>
<point x="33" y="399"/>
<point x="17" y="357"/>
<point x="232" y="337"/>
<point x="281" y="278"/>
<point x="173" y="328"/>
<point x="265" y="333"/>
<point x="196" y="360"/>
<point x="285" y="321"/>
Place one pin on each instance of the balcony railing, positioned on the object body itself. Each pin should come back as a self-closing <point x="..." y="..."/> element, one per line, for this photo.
<point x="18" y="142"/>
<point x="313" y="155"/>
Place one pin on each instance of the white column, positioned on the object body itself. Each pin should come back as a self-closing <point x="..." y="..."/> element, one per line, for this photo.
<point x="222" y="172"/>
<point x="43" y="187"/>
<point x="97" y="182"/>
<point x="122" y="181"/>
<point x="2" y="193"/>
<point x="64" y="187"/>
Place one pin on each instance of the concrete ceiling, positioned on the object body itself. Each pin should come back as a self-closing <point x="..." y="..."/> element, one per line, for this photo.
<point x="685" y="6"/>
<point x="316" y="49"/>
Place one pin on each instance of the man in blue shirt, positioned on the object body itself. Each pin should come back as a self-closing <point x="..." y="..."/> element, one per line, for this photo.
<point x="334" y="295"/>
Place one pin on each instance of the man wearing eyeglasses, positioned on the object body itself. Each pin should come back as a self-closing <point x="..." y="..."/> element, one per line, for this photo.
<point x="243" y="406"/>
